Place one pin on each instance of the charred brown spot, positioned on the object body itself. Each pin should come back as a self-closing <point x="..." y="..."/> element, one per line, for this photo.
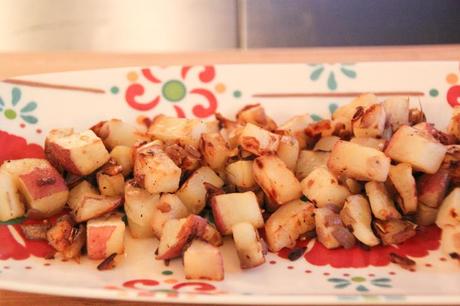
<point x="358" y="113"/>
<point x="453" y="213"/>
<point x="310" y="183"/>
<point x="164" y="207"/>
<point x="46" y="181"/>
<point x="108" y="263"/>
<point x="259" y="163"/>
<point x="403" y="261"/>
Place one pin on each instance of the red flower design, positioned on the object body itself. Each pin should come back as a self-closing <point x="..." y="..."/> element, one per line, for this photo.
<point x="427" y="239"/>
<point x="453" y="96"/>
<point x="15" y="147"/>
<point x="174" y="91"/>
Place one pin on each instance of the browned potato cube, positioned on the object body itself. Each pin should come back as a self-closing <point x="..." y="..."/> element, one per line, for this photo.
<point x="256" y="115"/>
<point x="248" y="245"/>
<point x="288" y="151"/>
<point x="432" y="188"/>
<point x="296" y="127"/>
<point x="258" y="141"/>
<point x="203" y="261"/>
<point x="169" y="207"/>
<point x="382" y="205"/>
<point x="397" y="111"/>
<point x="404" y="182"/>
<point x="394" y="231"/>
<point x="308" y="161"/>
<point x="426" y="215"/>
<point x="214" y="149"/>
<point x="240" y="174"/>
<point x="123" y="156"/>
<point x="449" y="211"/>
<point x="116" y="132"/>
<point x="369" y="122"/>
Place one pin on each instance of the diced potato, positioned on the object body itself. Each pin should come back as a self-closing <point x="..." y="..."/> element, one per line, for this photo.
<point x="326" y="144"/>
<point x="402" y="179"/>
<point x="394" y="231"/>
<point x="67" y="238"/>
<point x="358" y="162"/>
<point x="330" y="230"/>
<point x="296" y="127"/>
<point x="77" y="194"/>
<point x="116" y="132"/>
<point x="369" y="142"/>
<point x="275" y="179"/>
<point x="169" y="207"/>
<point x="449" y="211"/>
<point x="347" y="111"/>
<point x="397" y="111"/>
<point x="177" y="233"/>
<point x="357" y="214"/>
<point x="426" y="215"/>
<point x="93" y="206"/>
<point x="288" y="151"/>
<point x="432" y="188"/>
<point x="123" y="156"/>
<point x="155" y="171"/>
<point x="181" y="130"/>
<point x="287" y="223"/>
<point x="451" y="163"/>
<point x="78" y="153"/>
<point x="214" y="149"/>
<point x="256" y="115"/>
<point x="454" y="123"/>
<point x="105" y="236"/>
<point x="110" y="179"/>
<point x="369" y="122"/>
<point x="232" y="208"/>
<point x="322" y="188"/>
<point x="258" y="141"/>
<point x="409" y="145"/>
<point x="211" y="235"/>
<point x="140" y="206"/>
<point x="382" y="205"/>
<point x="240" y="174"/>
<point x="248" y="245"/>
<point x="450" y="240"/>
<point x="185" y="157"/>
<point x="308" y="161"/>
<point x="203" y="261"/>
<point x="322" y="128"/>
<point x="11" y="205"/>
<point x="193" y="192"/>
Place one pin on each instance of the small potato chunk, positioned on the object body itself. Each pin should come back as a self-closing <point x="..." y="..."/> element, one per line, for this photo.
<point x="177" y="233"/>
<point x="449" y="211"/>
<point x="105" y="236"/>
<point x="11" y="205"/>
<point x="232" y="208"/>
<point x="394" y="231"/>
<point x="426" y="215"/>
<point x="397" y="112"/>
<point x="140" y="206"/>
<point x="116" y="132"/>
<point x="110" y="179"/>
<point x="212" y="236"/>
<point x="382" y="205"/>
<point x="450" y="240"/>
<point x="123" y="156"/>
<point x="454" y="123"/>
<point x="79" y="153"/>
<point x="358" y="162"/>
<point x="330" y="229"/>
<point x="402" y="179"/>
<point x="248" y="245"/>
<point x="322" y="188"/>
<point x="259" y="141"/>
<point x="451" y="163"/>
<point x="288" y="151"/>
<point x="287" y="223"/>
<point x="181" y="130"/>
<point x="369" y="122"/>
<point x="369" y="142"/>
<point x="296" y="127"/>
<point x="409" y="145"/>
<point x="308" y="161"/>
<point x="66" y="238"/>
<point x="432" y="188"/>
<point x="203" y="261"/>
<point x="214" y="149"/>
<point x="93" y="206"/>
<point x="240" y="174"/>
<point x="347" y="111"/>
<point x="357" y="214"/>
<point x="353" y="186"/>
<point x="78" y="193"/>
<point x="276" y="180"/>
<point x="256" y="115"/>
<point x="169" y="207"/>
<point x="193" y="192"/>
<point x="155" y="171"/>
<point x="325" y="144"/>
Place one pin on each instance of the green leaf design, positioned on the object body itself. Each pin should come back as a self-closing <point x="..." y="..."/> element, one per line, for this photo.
<point x="361" y="288"/>
<point x="1" y="102"/>
<point x="332" y="108"/>
<point x="383" y="279"/>
<point x="15" y="96"/>
<point x="316" y="117"/>
<point x="337" y="280"/>
<point x="13" y="221"/>
<point x="331" y="82"/>
<point x="314" y="76"/>
<point x="349" y="73"/>
<point x="382" y="285"/>
<point x="341" y="285"/>
<point x="29" y="107"/>
<point x="29" y="119"/>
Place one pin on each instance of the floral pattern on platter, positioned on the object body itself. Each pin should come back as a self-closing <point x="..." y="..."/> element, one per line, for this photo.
<point x="332" y="71"/>
<point x="360" y="283"/>
<point x="173" y="90"/>
<point x="10" y="111"/>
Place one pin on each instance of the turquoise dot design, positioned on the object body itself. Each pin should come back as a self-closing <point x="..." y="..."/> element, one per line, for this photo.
<point x="434" y="92"/>
<point x="114" y="90"/>
<point x="167" y="272"/>
<point x="237" y="94"/>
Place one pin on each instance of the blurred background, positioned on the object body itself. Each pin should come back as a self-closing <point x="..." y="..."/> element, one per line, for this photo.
<point x="192" y="25"/>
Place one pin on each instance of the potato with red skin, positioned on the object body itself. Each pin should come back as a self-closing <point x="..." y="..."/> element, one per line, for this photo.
<point x="413" y="146"/>
<point x="275" y="179"/>
<point x="248" y="245"/>
<point x="177" y="234"/>
<point x="402" y="179"/>
<point x="287" y="223"/>
<point x="78" y="192"/>
<point x="105" y="236"/>
<point x="432" y="188"/>
<point x="203" y="261"/>
<point x="258" y="141"/>
<point x="232" y="208"/>
<point x="79" y="153"/>
<point x="93" y="206"/>
<point x="358" y="162"/>
<point x="211" y="235"/>
<point x="449" y="211"/>
<point x="169" y="207"/>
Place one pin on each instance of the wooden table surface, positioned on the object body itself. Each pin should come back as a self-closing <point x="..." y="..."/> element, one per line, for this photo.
<point x="14" y="64"/>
